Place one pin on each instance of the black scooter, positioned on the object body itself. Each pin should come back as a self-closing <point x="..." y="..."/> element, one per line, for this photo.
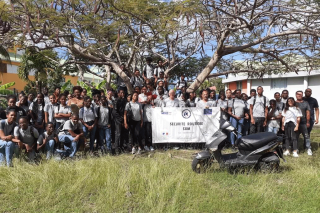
<point x="260" y="151"/>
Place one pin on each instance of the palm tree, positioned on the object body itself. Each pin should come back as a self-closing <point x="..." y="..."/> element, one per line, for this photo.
<point x="4" y="88"/>
<point x="4" y="54"/>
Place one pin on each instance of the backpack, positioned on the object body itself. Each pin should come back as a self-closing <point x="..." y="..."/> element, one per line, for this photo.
<point x="264" y="99"/>
<point x="31" y="132"/>
<point x="185" y="83"/>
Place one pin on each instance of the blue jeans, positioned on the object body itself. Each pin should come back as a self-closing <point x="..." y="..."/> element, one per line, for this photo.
<point x="273" y="129"/>
<point x="105" y="134"/>
<point x="6" y="152"/>
<point x="50" y="148"/>
<point x="238" y="125"/>
<point x="70" y="146"/>
<point x="92" y="133"/>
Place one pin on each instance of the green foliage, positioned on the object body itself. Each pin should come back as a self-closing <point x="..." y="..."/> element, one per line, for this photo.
<point x="217" y="82"/>
<point x="67" y="86"/>
<point x="45" y="65"/>
<point x="4" y="54"/>
<point x="4" y="89"/>
<point x="93" y="85"/>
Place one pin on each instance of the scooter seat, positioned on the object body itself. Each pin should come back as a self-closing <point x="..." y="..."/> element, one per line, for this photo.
<point x="255" y="141"/>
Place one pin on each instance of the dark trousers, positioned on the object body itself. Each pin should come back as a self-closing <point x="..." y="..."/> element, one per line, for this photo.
<point x="148" y="133"/>
<point x="135" y="132"/>
<point x="311" y="126"/>
<point x="304" y="130"/>
<point x="258" y="126"/>
<point x="290" y="135"/>
<point x="121" y="136"/>
<point x="246" y="127"/>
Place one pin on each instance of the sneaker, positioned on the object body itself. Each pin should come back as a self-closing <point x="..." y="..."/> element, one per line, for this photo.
<point x="151" y="149"/>
<point x="146" y="148"/>
<point x="139" y="151"/>
<point x="295" y="154"/>
<point x="309" y="152"/>
<point x="286" y="153"/>
<point x="133" y="150"/>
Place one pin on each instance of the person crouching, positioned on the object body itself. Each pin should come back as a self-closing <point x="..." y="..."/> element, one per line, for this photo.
<point x="26" y="136"/>
<point x="47" y="140"/>
<point x="72" y="136"/>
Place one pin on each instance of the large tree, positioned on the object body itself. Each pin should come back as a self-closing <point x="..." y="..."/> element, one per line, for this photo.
<point x="264" y="35"/>
<point x="104" y="32"/>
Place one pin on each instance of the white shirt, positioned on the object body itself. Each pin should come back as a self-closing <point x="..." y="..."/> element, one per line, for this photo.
<point x="291" y="114"/>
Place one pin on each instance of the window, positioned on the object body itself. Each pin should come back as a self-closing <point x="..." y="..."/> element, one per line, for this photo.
<point x="239" y="85"/>
<point x="279" y="83"/>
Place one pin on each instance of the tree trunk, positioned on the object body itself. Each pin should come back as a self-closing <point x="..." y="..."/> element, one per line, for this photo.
<point x="123" y="76"/>
<point x="205" y="72"/>
<point x="108" y="76"/>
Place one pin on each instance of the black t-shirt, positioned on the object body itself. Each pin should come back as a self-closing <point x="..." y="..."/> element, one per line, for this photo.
<point x="313" y="103"/>
<point x="19" y="111"/>
<point x="304" y="106"/>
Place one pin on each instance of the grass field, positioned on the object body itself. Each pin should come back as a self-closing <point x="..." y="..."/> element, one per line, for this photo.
<point x="162" y="182"/>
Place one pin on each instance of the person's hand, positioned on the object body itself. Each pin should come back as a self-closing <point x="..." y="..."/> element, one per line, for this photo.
<point x="110" y="106"/>
<point x="28" y="148"/>
<point x="317" y="121"/>
<point x="282" y="128"/>
<point x="265" y="123"/>
<point x="153" y="106"/>
<point x="308" y="124"/>
<point x="76" y="139"/>
<point x="109" y="125"/>
<point x="296" y="128"/>
<point x="90" y="128"/>
<point x="9" y="138"/>
<point x="252" y="121"/>
<point x="126" y="126"/>
<point x="20" y="144"/>
<point x="141" y="123"/>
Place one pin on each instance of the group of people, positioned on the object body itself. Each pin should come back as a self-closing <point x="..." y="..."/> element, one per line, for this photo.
<point x="61" y="123"/>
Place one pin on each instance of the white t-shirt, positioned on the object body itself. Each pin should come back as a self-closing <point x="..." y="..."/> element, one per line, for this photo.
<point x="203" y="104"/>
<point x="171" y="103"/>
<point x="258" y="110"/>
<point x="291" y="114"/>
<point x="136" y="110"/>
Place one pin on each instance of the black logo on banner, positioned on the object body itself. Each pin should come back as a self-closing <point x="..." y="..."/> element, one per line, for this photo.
<point x="186" y="113"/>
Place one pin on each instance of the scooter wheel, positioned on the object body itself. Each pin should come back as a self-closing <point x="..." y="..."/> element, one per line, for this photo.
<point x="268" y="166"/>
<point x="199" y="166"/>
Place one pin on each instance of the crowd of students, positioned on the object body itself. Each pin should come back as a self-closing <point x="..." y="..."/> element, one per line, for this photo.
<point x="60" y="123"/>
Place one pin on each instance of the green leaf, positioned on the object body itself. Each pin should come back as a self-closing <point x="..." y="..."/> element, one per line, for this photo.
<point x="7" y="85"/>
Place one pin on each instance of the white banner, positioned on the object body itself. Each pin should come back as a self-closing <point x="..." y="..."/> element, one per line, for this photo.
<point x="184" y="125"/>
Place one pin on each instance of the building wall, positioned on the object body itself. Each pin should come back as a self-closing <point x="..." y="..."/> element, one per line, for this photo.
<point x="244" y="86"/>
<point x="12" y="76"/>
<point x="314" y="84"/>
<point x="233" y="86"/>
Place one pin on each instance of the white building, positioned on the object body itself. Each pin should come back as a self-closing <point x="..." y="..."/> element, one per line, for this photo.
<point x="276" y="83"/>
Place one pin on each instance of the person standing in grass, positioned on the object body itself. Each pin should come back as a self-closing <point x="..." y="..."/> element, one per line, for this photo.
<point x="133" y="113"/>
<point x="304" y="120"/>
<point x="237" y="112"/>
<point x="274" y="117"/>
<point x="47" y="140"/>
<point x="290" y="125"/>
<point x="314" y="109"/>
<point x="49" y="110"/>
<point x="104" y="125"/>
<point x="71" y="136"/>
<point x="26" y="136"/>
<point x="62" y="112"/>
<point x="147" y="119"/>
<point x="258" y="111"/>
<point x="37" y="113"/>
<point x="7" y="137"/>
<point x="88" y="118"/>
